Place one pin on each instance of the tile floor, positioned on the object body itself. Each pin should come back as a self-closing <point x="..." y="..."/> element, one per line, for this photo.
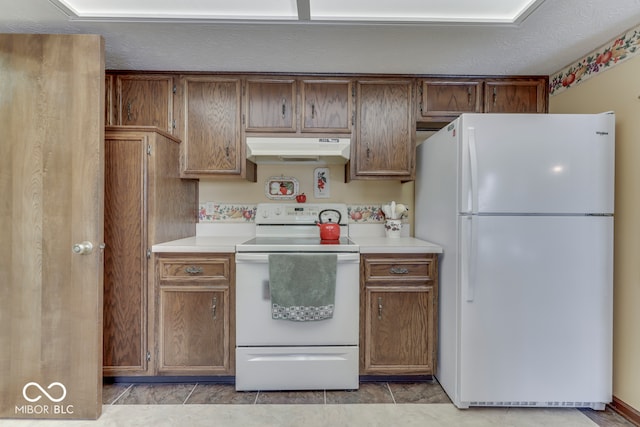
<point x="375" y="404"/>
<point x="395" y="393"/>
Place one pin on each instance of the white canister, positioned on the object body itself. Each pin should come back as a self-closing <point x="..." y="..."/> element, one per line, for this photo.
<point x="393" y="227"/>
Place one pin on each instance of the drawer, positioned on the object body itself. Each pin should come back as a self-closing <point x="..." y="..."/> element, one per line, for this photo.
<point x="207" y="269"/>
<point x="399" y="268"/>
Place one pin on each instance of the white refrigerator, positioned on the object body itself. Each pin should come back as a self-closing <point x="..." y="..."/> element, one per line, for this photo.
<point x="522" y="205"/>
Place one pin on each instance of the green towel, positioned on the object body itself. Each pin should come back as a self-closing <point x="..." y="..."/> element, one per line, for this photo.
<point x="302" y="286"/>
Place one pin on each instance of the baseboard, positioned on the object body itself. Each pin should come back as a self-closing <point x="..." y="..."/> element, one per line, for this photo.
<point x="168" y="379"/>
<point x="231" y="379"/>
<point x="627" y="411"/>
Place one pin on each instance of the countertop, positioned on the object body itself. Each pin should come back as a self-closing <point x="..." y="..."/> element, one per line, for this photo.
<point x="402" y="245"/>
<point x="227" y="244"/>
<point x="202" y="244"/>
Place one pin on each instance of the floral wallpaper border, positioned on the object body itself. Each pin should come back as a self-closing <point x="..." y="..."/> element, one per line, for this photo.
<point x="618" y="50"/>
<point x="226" y="212"/>
<point x="363" y="214"/>
<point x="210" y="212"/>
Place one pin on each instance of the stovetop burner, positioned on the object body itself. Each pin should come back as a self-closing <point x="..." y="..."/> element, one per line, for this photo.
<point x="297" y="244"/>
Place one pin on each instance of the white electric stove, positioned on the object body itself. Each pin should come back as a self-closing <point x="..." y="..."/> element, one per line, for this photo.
<point x="276" y="354"/>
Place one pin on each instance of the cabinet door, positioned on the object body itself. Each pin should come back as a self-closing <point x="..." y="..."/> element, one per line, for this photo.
<point x="384" y="146"/>
<point x="443" y="100"/>
<point x="326" y="106"/>
<point x="125" y="261"/>
<point x="515" y="96"/>
<point x="145" y="100"/>
<point x="399" y="330"/>
<point x="194" y="331"/>
<point x="271" y="105"/>
<point x="211" y="137"/>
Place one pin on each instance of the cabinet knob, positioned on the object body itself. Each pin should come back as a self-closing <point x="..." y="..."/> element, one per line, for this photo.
<point x="379" y="308"/>
<point x="192" y="269"/>
<point x="214" y="306"/>
<point x="398" y="270"/>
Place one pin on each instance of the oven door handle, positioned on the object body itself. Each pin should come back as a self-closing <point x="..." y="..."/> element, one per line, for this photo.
<point x="263" y="258"/>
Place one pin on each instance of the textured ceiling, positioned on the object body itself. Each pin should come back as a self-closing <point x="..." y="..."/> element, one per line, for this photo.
<point x="555" y="34"/>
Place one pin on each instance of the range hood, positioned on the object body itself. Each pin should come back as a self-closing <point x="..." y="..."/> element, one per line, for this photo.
<point x="281" y="149"/>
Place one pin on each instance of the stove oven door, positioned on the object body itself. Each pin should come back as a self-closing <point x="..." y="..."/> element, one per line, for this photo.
<point x="255" y="327"/>
<point x="288" y="355"/>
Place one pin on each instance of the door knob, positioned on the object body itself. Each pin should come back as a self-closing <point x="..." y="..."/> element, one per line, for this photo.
<point x="82" y="248"/>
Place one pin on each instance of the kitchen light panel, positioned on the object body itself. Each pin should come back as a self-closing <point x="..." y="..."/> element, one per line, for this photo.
<point x="399" y="11"/>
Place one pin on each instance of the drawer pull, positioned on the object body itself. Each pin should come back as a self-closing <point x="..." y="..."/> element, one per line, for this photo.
<point x="398" y="270"/>
<point x="192" y="269"/>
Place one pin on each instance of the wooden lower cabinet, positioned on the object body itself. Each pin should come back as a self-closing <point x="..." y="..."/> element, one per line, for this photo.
<point x="195" y="328"/>
<point x="398" y="320"/>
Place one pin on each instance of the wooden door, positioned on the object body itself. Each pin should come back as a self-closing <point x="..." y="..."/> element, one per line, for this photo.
<point x="51" y="181"/>
<point x="194" y="330"/>
<point x="271" y="105"/>
<point x="211" y="138"/>
<point x="444" y="99"/>
<point x="515" y="96"/>
<point x="399" y="330"/>
<point x="326" y="105"/>
<point x="145" y="100"/>
<point x="385" y="144"/>
<point x="125" y="234"/>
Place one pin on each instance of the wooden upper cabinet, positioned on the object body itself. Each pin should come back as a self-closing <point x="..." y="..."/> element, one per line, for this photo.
<point x="270" y="105"/>
<point x="326" y="105"/>
<point x="445" y="99"/>
<point x="515" y="96"/>
<point x="384" y="146"/>
<point x="211" y="126"/>
<point x="144" y="100"/>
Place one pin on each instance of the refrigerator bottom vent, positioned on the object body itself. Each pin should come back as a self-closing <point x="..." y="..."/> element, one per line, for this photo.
<point x="592" y="405"/>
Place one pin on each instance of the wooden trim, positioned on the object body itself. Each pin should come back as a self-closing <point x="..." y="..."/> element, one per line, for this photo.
<point x="267" y="74"/>
<point x="627" y="411"/>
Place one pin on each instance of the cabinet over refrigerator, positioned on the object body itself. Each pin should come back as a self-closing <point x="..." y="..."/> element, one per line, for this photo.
<point x="523" y="207"/>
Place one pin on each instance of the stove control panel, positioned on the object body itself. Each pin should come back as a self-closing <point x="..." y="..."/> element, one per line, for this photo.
<point x="299" y="213"/>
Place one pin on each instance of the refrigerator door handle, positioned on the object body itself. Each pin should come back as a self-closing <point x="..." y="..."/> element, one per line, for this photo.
<point x="469" y="257"/>
<point x="473" y="166"/>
